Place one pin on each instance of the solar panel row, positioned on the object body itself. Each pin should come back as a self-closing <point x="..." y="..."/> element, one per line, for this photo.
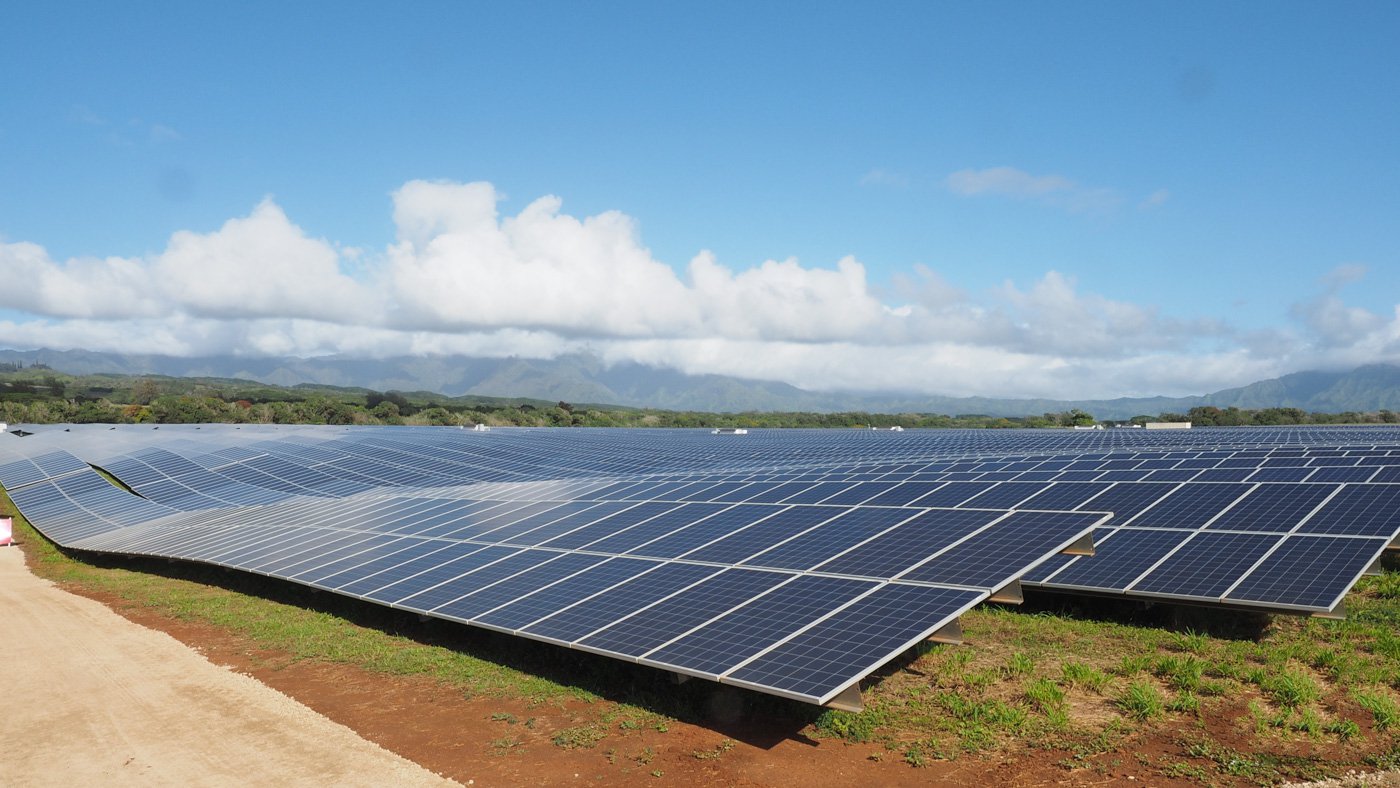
<point x="793" y="562"/>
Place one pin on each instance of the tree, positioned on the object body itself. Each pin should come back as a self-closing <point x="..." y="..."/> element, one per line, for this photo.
<point x="144" y="391"/>
<point x="1079" y="418"/>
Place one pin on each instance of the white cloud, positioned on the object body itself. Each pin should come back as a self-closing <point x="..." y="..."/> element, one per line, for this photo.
<point x="1155" y="200"/>
<point x="159" y="132"/>
<point x="1018" y="184"/>
<point x="459" y="277"/>
<point x="1006" y="182"/>
<point x="256" y="266"/>
<point x="883" y="177"/>
<point x="1332" y="323"/>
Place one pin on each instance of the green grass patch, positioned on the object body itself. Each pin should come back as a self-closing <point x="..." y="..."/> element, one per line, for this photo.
<point x="1291" y="689"/>
<point x="1384" y="711"/>
<point x="1141" y="701"/>
<point x="1081" y="674"/>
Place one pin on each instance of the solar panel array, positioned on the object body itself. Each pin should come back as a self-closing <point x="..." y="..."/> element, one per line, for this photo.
<point x="794" y="562"/>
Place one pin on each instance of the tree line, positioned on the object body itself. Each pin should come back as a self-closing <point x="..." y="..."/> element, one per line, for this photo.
<point x="46" y="397"/>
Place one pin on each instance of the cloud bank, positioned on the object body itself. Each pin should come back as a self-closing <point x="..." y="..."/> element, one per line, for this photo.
<point x="459" y="277"/>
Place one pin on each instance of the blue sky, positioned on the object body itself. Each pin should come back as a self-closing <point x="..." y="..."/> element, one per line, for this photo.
<point x="1082" y="199"/>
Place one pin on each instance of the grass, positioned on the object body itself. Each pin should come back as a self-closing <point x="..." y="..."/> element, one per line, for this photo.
<point x="1141" y="701"/>
<point x="1081" y="674"/>
<point x="1383" y="708"/>
<point x="1082" y="680"/>
<point x="1291" y="689"/>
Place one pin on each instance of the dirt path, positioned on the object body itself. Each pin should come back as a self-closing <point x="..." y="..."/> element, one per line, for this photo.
<point x="88" y="697"/>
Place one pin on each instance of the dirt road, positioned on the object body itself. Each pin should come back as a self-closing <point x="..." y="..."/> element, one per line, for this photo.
<point x="89" y="698"/>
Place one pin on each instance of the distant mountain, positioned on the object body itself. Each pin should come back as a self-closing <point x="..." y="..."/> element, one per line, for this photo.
<point x="583" y="378"/>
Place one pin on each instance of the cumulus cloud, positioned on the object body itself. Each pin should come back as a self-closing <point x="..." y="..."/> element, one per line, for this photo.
<point x="257" y="266"/>
<point x="458" y="265"/>
<point x="461" y="278"/>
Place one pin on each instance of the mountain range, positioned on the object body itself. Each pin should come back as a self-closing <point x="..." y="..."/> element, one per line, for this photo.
<point x="582" y="378"/>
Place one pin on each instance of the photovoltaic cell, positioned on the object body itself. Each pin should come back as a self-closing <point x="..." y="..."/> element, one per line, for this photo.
<point x="819" y="662"/>
<point x="1207" y="565"/>
<point x="1118" y="559"/>
<point x="1126" y="499"/>
<point x="650" y="627"/>
<point x="819" y="544"/>
<point x="1359" y="510"/>
<point x="543" y="602"/>
<point x="998" y="554"/>
<point x="430" y="598"/>
<point x="683" y="540"/>
<point x="908" y="544"/>
<point x="597" y="612"/>
<point x="736" y="636"/>
<point x="502" y="592"/>
<point x="1273" y="507"/>
<point x="1189" y="506"/>
<point x="1309" y="571"/>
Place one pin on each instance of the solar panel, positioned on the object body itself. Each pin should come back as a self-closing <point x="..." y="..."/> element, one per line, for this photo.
<point x="794" y="562"/>
<point x="1206" y="565"/>
<point x="1290" y="574"/>
<point x="1120" y="557"/>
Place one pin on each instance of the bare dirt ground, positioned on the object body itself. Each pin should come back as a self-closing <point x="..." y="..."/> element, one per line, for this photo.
<point x="91" y="698"/>
<point x="83" y="698"/>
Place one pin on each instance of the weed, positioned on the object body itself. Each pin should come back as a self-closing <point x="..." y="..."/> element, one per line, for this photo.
<point x="719" y="750"/>
<point x="1045" y="694"/>
<point x="851" y="726"/>
<point x="1387" y="645"/>
<point x="1141" y="701"/>
<point x="502" y="716"/>
<point x="1081" y="674"/>
<point x="1133" y="664"/>
<point x="1259" y="716"/>
<point x="505" y="744"/>
<point x="1291" y="689"/>
<point x="914" y="756"/>
<point x="1185" y="702"/>
<point x="1182" y="674"/>
<point x="985" y="712"/>
<point x="1019" y="665"/>
<point x="956" y="662"/>
<point x="1189" y="641"/>
<point x="1308" y="723"/>
<point x="583" y="737"/>
<point x="1327" y="660"/>
<point x="1057" y="718"/>
<point x="1343" y="729"/>
<point x="1385" y="761"/>
<point x="1383" y="709"/>
<point x="1386" y="586"/>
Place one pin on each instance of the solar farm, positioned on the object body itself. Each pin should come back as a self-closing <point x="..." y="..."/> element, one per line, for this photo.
<point x="789" y="562"/>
